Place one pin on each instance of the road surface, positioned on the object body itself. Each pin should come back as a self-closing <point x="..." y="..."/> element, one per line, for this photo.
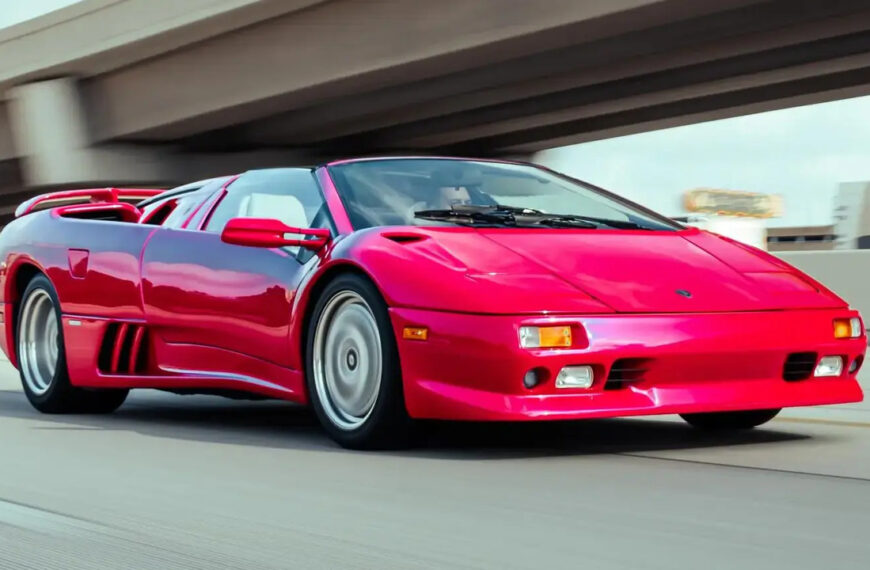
<point x="172" y="482"/>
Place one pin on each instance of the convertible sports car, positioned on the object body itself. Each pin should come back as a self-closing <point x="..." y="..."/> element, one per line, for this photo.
<point x="382" y="291"/>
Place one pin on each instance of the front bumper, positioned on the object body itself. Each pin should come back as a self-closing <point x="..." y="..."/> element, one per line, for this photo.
<point x="471" y="367"/>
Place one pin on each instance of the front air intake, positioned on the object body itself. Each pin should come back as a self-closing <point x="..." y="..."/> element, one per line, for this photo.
<point x="799" y="366"/>
<point x="625" y="371"/>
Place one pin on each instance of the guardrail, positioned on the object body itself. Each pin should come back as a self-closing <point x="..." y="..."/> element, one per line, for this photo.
<point x="846" y="272"/>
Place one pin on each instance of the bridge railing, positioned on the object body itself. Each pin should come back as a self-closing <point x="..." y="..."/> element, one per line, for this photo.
<point x="846" y="272"/>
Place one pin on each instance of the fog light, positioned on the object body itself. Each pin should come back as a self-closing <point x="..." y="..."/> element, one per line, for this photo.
<point x="575" y="377"/>
<point x="848" y="328"/>
<point x="545" y="337"/>
<point x="530" y="380"/>
<point x="829" y="366"/>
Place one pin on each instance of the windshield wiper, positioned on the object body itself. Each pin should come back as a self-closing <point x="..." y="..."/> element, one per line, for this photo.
<point x="558" y="219"/>
<point x="504" y="216"/>
<point x="572" y="219"/>
<point x="514" y="216"/>
<point x="465" y="215"/>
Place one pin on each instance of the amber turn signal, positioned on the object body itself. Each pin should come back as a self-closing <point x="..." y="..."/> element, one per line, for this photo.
<point x="545" y="337"/>
<point x="415" y="333"/>
<point x="847" y="328"/>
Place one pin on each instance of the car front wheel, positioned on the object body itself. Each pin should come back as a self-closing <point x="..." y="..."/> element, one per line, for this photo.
<point x="730" y="420"/>
<point x="353" y="374"/>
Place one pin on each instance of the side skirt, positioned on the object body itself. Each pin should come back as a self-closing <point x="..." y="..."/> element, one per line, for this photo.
<point x="103" y="353"/>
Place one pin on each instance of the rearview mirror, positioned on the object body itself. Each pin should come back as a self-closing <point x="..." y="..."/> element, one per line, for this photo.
<point x="266" y="232"/>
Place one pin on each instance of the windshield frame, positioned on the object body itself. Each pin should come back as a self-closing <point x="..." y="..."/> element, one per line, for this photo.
<point x="329" y="170"/>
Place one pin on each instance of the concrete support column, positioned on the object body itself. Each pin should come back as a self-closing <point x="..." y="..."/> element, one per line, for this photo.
<point x="7" y="145"/>
<point x="49" y="121"/>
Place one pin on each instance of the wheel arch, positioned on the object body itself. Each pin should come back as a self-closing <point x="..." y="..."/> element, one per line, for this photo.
<point x="311" y="294"/>
<point x="17" y="279"/>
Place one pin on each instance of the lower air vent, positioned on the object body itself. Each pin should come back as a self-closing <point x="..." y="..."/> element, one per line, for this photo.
<point x="799" y="366"/>
<point x="625" y="371"/>
<point x="124" y="349"/>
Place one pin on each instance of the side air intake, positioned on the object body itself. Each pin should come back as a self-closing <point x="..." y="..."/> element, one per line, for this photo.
<point x="124" y="349"/>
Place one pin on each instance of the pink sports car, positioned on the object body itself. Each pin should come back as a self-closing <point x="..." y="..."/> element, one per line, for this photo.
<point x="384" y="291"/>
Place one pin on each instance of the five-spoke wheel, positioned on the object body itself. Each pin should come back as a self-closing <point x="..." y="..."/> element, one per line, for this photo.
<point x="353" y="375"/>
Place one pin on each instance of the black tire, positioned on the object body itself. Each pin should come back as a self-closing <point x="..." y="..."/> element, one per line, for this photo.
<point x="387" y="425"/>
<point x="719" y="421"/>
<point x="60" y="396"/>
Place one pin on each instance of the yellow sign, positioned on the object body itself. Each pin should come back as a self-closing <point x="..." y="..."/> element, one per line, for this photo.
<point x="733" y="203"/>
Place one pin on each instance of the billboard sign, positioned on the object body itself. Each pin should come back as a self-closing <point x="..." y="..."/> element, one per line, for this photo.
<point x="733" y="203"/>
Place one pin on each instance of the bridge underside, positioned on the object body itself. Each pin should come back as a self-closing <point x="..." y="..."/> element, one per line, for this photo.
<point x="311" y="80"/>
<point x="750" y="59"/>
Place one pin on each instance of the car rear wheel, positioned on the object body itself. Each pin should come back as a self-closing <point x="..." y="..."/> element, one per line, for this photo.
<point x="353" y="374"/>
<point x="730" y="420"/>
<point x="42" y="358"/>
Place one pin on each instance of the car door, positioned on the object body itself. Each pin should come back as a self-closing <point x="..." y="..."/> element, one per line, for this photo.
<point x="202" y="293"/>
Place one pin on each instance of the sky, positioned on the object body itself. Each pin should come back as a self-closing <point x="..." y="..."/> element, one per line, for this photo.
<point x="802" y="153"/>
<point x="16" y="11"/>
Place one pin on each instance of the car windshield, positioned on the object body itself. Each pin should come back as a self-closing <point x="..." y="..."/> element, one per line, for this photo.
<point x="430" y="191"/>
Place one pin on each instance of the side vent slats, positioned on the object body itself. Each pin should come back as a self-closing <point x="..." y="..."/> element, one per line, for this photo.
<point x="135" y="349"/>
<point x="118" y="347"/>
<point x="124" y="349"/>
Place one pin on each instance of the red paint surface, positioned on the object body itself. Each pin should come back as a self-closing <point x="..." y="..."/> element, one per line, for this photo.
<point x="218" y="316"/>
<point x="78" y="262"/>
<point x="472" y="366"/>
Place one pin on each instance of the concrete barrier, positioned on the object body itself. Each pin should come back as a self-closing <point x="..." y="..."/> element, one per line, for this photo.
<point x="845" y="272"/>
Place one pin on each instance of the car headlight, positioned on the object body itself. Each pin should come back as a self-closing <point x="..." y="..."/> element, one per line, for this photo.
<point x="829" y="366"/>
<point x="545" y="337"/>
<point x="848" y="328"/>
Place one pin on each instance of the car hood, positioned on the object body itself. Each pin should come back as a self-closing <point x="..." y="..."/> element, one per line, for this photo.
<point x="519" y="271"/>
<point x="666" y="271"/>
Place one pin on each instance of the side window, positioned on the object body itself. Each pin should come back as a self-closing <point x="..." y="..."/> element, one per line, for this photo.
<point x="290" y="195"/>
<point x="184" y="207"/>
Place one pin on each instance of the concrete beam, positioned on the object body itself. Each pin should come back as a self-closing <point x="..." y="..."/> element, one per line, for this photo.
<point x="540" y="74"/>
<point x="513" y="118"/>
<point x="344" y="47"/>
<point x="669" y="116"/>
<point x="195" y="80"/>
<point x="96" y="36"/>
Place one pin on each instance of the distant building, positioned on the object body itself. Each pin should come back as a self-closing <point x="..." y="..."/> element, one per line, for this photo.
<point x="852" y="216"/>
<point x="801" y="238"/>
<point x="741" y="215"/>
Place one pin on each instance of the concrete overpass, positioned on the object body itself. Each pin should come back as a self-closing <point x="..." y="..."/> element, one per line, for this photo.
<point x="157" y="91"/>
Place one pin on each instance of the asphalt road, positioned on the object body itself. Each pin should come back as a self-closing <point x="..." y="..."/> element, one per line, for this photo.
<point x="197" y="482"/>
